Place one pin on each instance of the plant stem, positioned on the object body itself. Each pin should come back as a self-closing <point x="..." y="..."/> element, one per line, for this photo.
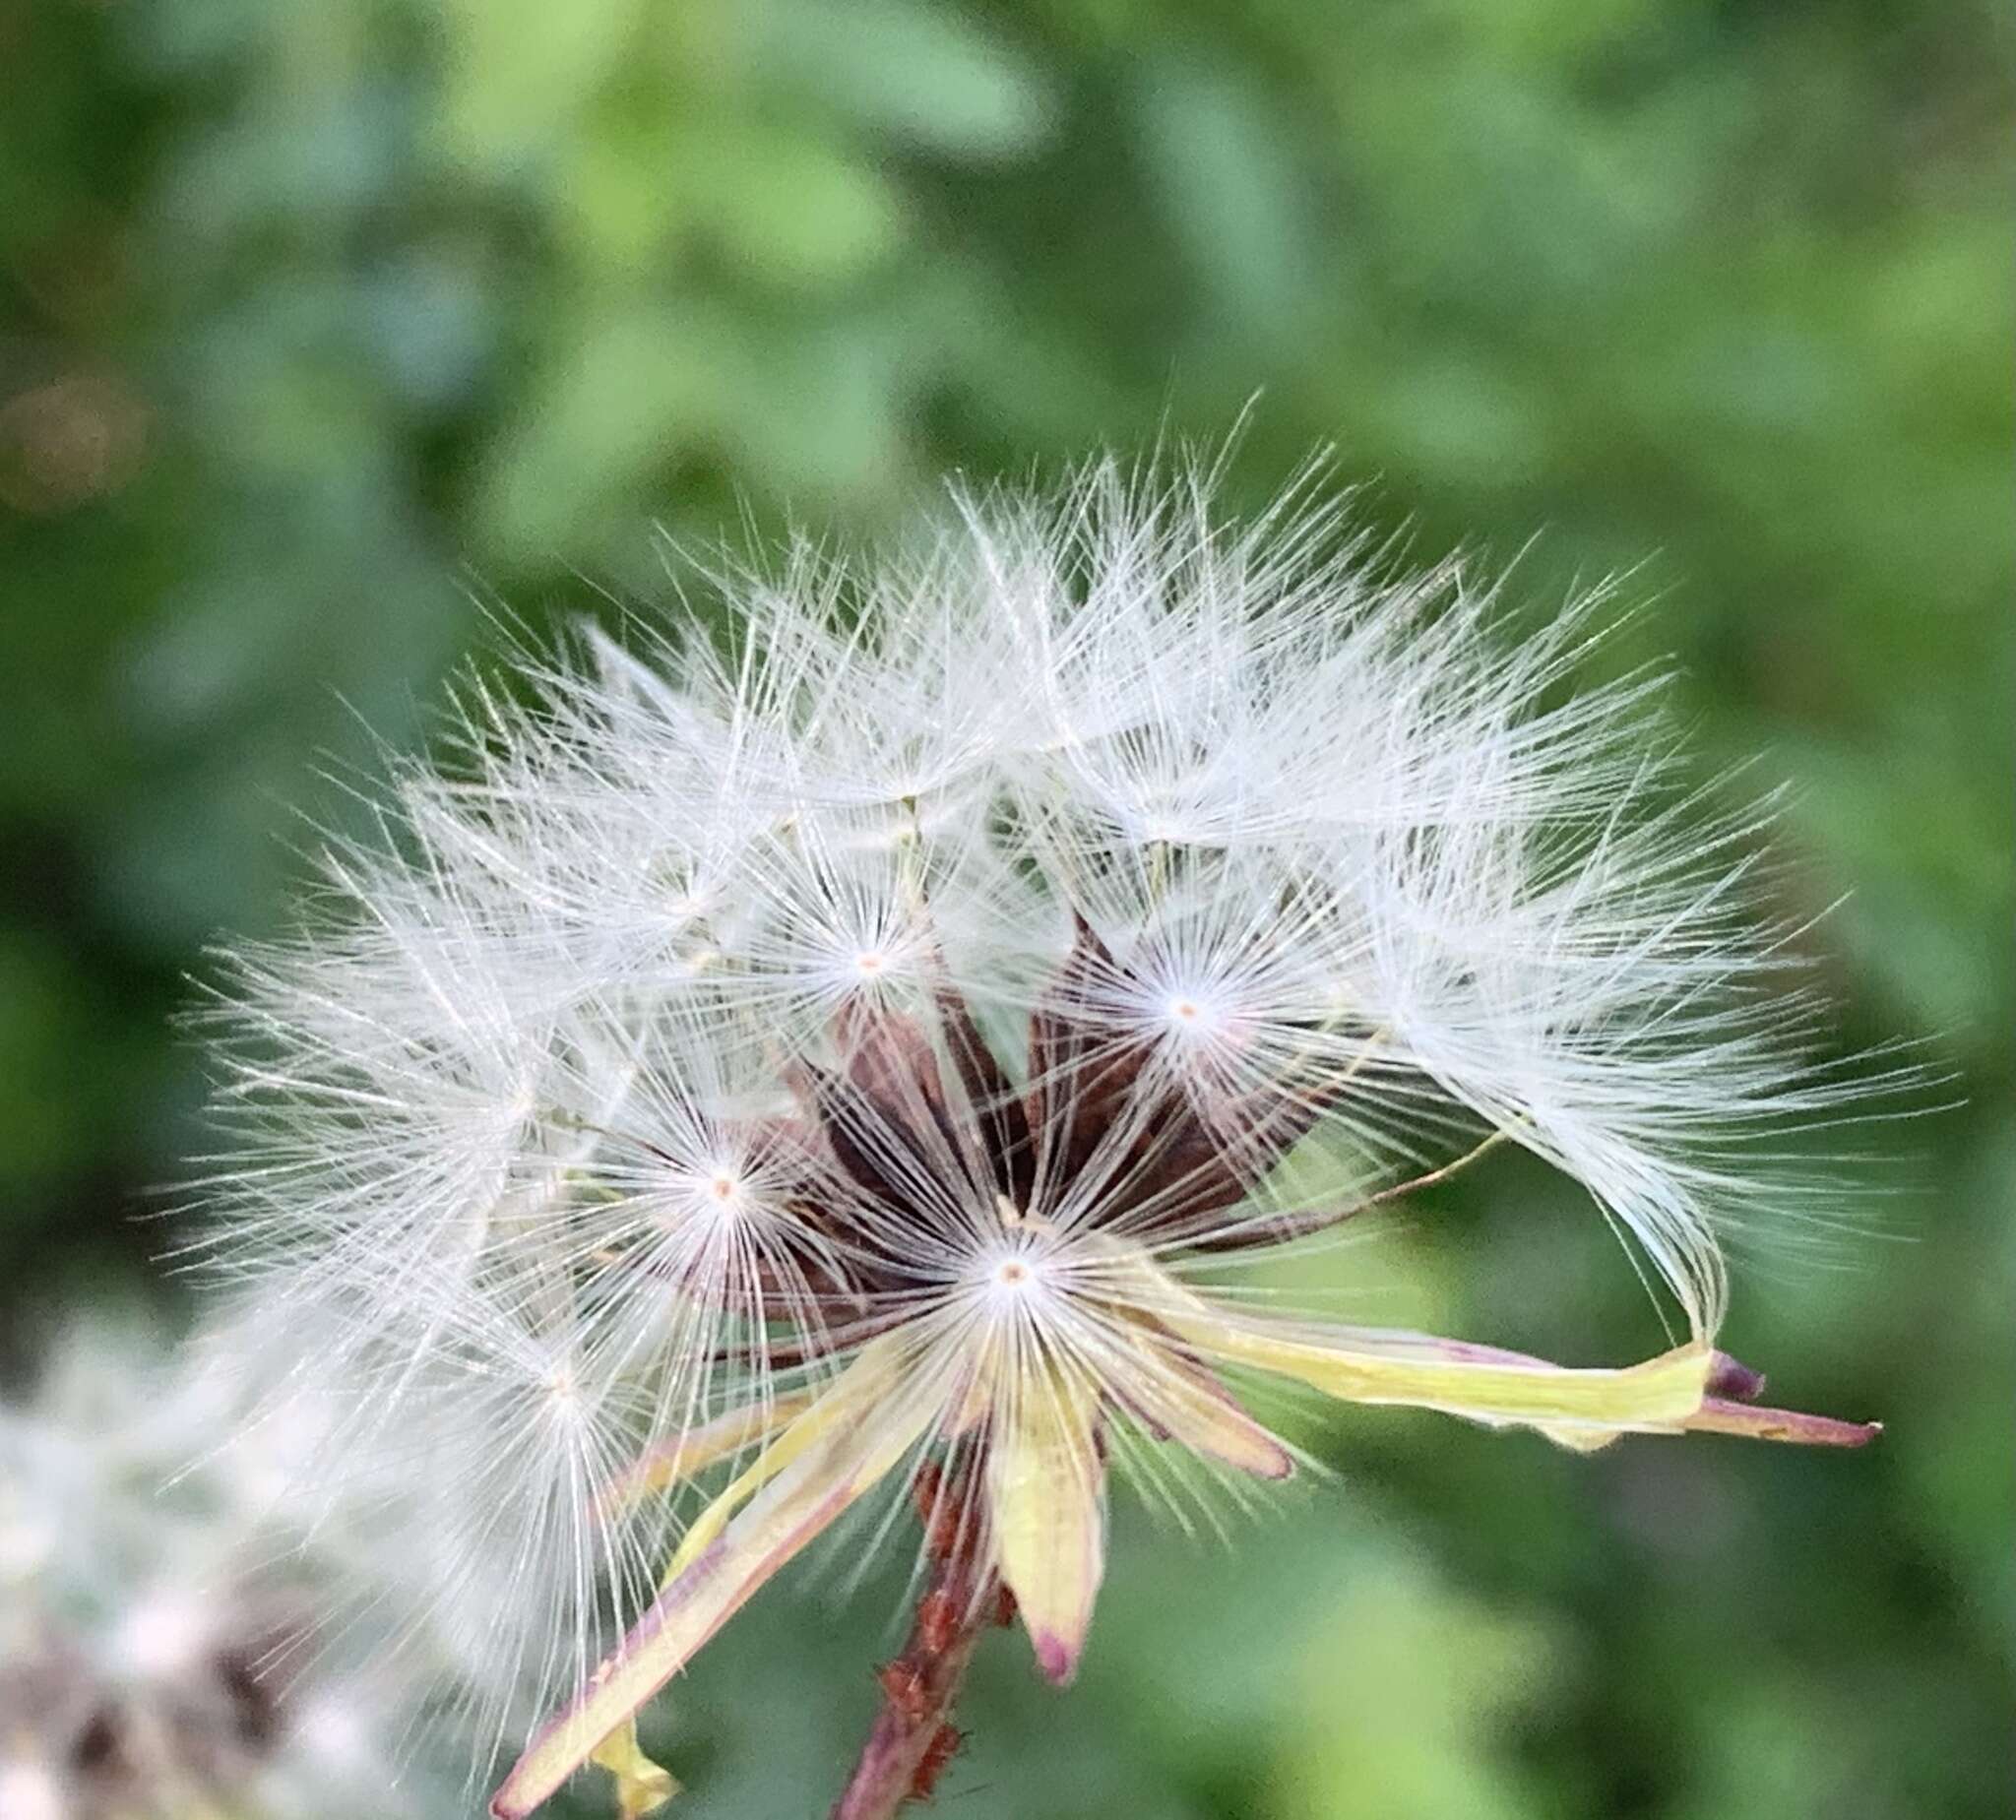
<point x="913" y="1737"/>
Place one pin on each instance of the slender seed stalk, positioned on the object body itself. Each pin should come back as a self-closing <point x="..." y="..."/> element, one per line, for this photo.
<point x="913" y="1738"/>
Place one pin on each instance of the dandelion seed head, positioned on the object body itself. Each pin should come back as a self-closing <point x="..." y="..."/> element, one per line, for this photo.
<point x="188" y="1619"/>
<point x="909" y="990"/>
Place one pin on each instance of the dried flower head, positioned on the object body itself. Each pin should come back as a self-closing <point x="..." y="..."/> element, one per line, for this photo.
<point x="169" y="1646"/>
<point x="862" y="1048"/>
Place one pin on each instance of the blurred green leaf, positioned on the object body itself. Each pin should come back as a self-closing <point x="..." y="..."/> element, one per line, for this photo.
<point x="369" y="297"/>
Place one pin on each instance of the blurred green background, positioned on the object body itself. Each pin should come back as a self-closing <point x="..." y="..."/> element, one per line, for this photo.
<point x="318" y="320"/>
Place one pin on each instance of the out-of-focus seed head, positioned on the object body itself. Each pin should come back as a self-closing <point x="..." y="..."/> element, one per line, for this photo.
<point x="171" y="1645"/>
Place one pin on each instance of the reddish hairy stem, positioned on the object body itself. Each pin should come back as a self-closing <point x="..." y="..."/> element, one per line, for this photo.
<point x="913" y="1736"/>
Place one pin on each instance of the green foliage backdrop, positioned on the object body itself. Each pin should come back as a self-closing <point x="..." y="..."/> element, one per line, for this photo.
<point x="318" y="321"/>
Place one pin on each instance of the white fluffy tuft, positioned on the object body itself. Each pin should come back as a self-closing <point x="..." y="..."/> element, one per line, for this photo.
<point x="517" y="1111"/>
